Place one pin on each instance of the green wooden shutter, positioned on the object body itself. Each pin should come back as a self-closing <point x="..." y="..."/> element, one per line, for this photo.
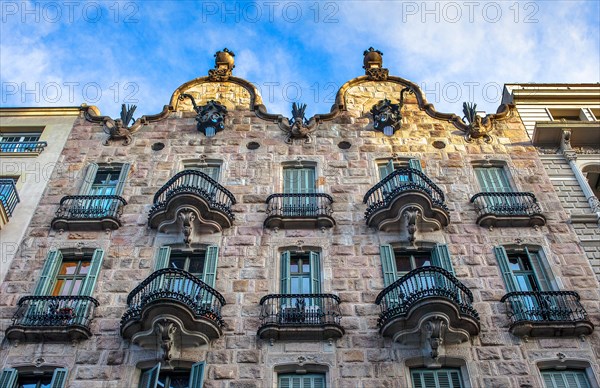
<point x="492" y="179"/>
<point x="415" y="164"/>
<point x="59" y="378"/>
<point x="440" y="257"/>
<point x="386" y="169"/>
<point x="285" y="382"/>
<point x="315" y="273"/>
<point x="285" y="272"/>
<point x="299" y="180"/>
<point x="442" y="378"/>
<point x="150" y="377"/>
<point x="162" y="258"/>
<point x="388" y="265"/>
<point x="90" y="280"/>
<point x="88" y="179"/>
<point x="301" y="381"/>
<point x="540" y="274"/>
<point x="51" y="267"/>
<point x="565" y="379"/>
<point x="502" y="259"/>
<point x="197" y="375"/>
<point x="8" y="378"/>
<point x="122" y="178"/>
<point x="210" y="265"/>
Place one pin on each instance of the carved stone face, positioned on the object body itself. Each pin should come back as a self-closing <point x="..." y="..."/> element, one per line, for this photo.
<point x="386" y="117"/>
<point x="211" y="118"/>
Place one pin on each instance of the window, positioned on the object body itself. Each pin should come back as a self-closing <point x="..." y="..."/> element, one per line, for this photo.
<point x="397" y="263"/>
<point x="570" y="378"/>
<point x="311" y="380"/>
<point x="201" y="263"/>
<point x="104" y="180"/>
<point x="300" y="273"/>
<point x="493" y="179"/>
<point x="299" y="179"/>
<point x="440" y="378"/>
<point x="70" y="277"/>
<point x="212" y="168"/>
<point x="20" y="142"/>
<point x="11" y="378"/>
<point x="8" y="194"/>
<point x="572" y="114"/>
<point x="387" y="168"/>
<point x="522" y="270"/>
<point x="592" y="174"/>
<point x="177" y="378"/>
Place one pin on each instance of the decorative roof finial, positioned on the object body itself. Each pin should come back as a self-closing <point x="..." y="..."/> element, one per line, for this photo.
<point x="372" y="63"/>
<point x="224" y="64"/>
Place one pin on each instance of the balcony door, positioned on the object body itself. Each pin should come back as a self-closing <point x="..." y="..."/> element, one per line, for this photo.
<point x="101" y="183"/>
<point x="299" y="183"/>
<point x="300" y="274"/>
<point x="400" y="179"/>
<point x="495" y="180"/>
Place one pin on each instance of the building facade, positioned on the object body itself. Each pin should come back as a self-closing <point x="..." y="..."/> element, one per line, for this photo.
<point x="383" y="244"/>
<point x="31" y="142"/>
<point x="562" y="122"/>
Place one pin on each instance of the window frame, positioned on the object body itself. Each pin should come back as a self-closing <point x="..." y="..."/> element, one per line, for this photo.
<point x="150" y="375"/>
<point x="9" y="377"/>
<point x="436" y="372"/>
<point x="562" y="372"/>
<point x="93" y="169"/>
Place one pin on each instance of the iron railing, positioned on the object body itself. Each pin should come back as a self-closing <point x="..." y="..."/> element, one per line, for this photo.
<point x="197" y="182"/>
<point x="22" y="146"/>
<point x="175" y="285"/>
<point x="300" y="310"/>
<point x="506" y="204"/>
<point x="398" y="182"/>
<point x="90" y="207"/>
<point x="309" y="205"/>
<point x="399" y="297"/>
<point x="56" y="311"/>
<point x="8" y="195"/>
<point x="544" y="306"/>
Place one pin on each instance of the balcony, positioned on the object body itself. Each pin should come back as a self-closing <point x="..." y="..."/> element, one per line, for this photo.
<point x="8" y="200"/>
<point x="173" y="298"/>
<point x="547" y="314"/>
<point x="22" y="147"/>
<point x="194" y="191"/>
<point x="422" y="295"/>
<point x="299" y="211"/>
<point x="52" y="318"/>
<point x="300" y="317"/>
<point x="403" y="190"/>
<point x="89" y="212"/>
<point x="508" y="209"/>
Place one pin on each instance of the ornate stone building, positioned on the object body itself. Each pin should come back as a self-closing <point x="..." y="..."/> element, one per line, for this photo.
<point x="383" y="244"/>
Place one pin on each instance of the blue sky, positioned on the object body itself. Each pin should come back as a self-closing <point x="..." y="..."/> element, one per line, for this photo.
<point x="105" y="53"/>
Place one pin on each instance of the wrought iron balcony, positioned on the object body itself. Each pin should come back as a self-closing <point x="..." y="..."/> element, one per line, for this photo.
<point x="299" y="211"/>
<point x="422" y="293"/>
<point x="8" y="199"/>
<point x="194" y="191"/>
<point x="507" y="209"/>
<point x="23" y="146"/>
<point x="300" y="317"/>
<point x="89" y="212"/>
<point x="405" y="189"/>
<point x="52" y="318"/>
<point x="178" y="297"/>
<point x="547" y="314"/>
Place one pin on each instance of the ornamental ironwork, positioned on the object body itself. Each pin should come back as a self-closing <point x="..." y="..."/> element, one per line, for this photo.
<point x="387" y="117"/>
<point x="210" y="118"/>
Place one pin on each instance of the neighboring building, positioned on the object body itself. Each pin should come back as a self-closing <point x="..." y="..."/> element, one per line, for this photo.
<point x="562" y="121"/>
<point x="31" y="142"/>
<point x="383" y="244"/>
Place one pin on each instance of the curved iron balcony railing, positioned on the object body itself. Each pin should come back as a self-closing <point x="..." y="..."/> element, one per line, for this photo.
<point x="196" y="182"/>
<point x="400" y="180"/>
<point x="8" y="195"/>
<point x="306" y="316"/>
<point x="22" y="146"/>
<point x="53" y="317"/>
<point x="544" y="307"/>
<point x="175" y="285"/>
<point x="398" y="298"/>
<point x="299" y="210"/>
<point x="508" y="209"/>
<point x="90" y="206"/>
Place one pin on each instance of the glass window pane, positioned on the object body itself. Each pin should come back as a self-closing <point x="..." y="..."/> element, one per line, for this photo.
<point x="84" y="268"/>
<point x="68" y="268"/>
<point x="76" y="287"/>
<point x="403" y="264"/>
<point x="306" y="285"/>
<point x="196" y="265"/>
<point x="294" y="265"/>
<point x="306" y="268"/>
<point x="58" y="287"/>
<point x="177" y="262"/>
<point x="422" y="261"/>
<point x="295" y="285"/>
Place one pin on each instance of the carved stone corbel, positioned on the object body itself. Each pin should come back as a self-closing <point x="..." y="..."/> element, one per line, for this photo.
<point x="187" y="217"/>
<point x="410" y="216"/>
<point x="434" y="335"/>
<point x="165" y="331"/>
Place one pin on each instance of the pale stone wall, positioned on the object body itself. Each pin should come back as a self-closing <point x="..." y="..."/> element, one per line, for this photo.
<point x="248" y="262"/>
<point x="33" y="171"/>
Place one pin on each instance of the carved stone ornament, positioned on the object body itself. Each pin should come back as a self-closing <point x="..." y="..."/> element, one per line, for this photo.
<point x="187" y="217"/>
<point x="434" y="331"/>
<point x="118" y="129"/>
<point x="298" y="127"/>
<point x="372" y="63"/>
<point x="477" y="126"/>
<point x="386" y="117"/>
<point x="165" y="331"/>
<point x="224" y="64"/>
<point x="410" y="217"/>
<point x="210" y="118"/>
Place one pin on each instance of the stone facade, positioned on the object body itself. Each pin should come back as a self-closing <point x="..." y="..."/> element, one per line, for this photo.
<point x="248" y="266"/>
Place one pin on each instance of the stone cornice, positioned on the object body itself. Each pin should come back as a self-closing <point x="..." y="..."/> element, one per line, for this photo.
<point x="42" y="111"/>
